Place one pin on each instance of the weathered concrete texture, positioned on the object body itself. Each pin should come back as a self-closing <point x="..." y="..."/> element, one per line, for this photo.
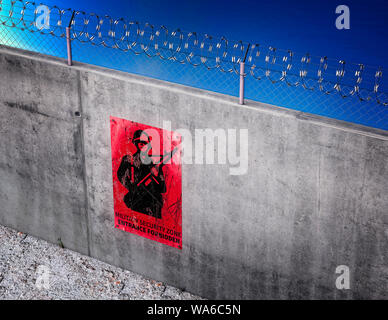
<point x="315" y="195"/>
<point x="41" y="167"/>
<point x="33" y="269"/>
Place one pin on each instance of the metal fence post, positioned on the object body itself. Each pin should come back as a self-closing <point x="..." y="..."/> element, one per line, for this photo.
<point x="242" y="77"/>
<point x="242" y="82"/>
<point x="68" y="42"/>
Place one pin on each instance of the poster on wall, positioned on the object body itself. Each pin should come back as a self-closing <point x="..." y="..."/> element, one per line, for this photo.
<point x="147" y="181"/>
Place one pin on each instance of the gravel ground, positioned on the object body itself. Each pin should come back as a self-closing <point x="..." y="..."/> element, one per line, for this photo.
<point x="32" y="268"/>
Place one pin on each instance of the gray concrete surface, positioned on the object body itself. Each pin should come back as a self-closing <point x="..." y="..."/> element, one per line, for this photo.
<point x="71" y="276"/>
<point x="41" y="160"/>
<point x="315" y="195"/>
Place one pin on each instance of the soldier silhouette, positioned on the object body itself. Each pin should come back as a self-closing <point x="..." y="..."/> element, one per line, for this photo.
<point x="145" y="182"/>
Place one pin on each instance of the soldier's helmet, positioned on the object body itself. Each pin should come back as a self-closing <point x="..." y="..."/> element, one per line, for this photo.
<point x="140" y="136"/>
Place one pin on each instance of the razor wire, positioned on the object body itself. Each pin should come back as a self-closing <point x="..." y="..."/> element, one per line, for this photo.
<point x="313" y="73"/>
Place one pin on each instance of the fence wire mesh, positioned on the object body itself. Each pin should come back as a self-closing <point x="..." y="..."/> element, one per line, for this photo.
<point x="313" y="84"/>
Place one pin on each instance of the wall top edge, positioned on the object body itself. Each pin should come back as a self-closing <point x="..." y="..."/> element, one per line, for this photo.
<point x="200" y="93"/>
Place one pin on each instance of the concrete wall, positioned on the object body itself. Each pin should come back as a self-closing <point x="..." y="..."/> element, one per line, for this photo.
<point x="315" y="195"/>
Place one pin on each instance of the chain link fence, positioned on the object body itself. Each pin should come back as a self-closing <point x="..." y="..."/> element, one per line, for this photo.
<point x="318" y="85"/>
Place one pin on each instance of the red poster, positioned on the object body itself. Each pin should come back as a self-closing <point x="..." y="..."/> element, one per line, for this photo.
<point x="147" y="181"/>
